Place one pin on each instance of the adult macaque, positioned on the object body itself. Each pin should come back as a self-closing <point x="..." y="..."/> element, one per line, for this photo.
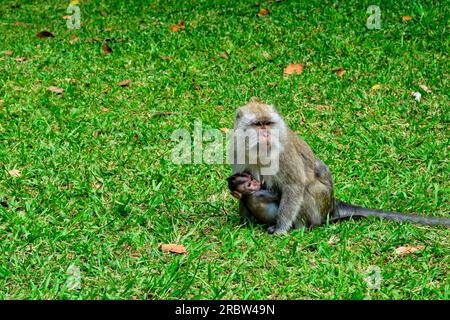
<point x="302" y="187"/>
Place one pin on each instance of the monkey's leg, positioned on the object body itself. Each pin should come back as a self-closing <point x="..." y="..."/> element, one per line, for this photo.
<point x="318" y="203"/>
<point x="290" y="204"/>
<point x="244" y="213"/>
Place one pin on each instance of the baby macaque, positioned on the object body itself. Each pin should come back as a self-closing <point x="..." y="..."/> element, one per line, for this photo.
<point x="261" y="203"/>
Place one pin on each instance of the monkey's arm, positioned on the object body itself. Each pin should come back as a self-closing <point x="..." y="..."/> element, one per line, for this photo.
<point x="265" y="196"/>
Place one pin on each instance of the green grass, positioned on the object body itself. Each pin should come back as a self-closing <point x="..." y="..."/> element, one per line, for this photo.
<point x="99" y="190"/>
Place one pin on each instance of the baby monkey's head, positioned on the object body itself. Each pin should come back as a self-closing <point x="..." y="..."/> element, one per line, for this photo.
<point x="241" y="184"/>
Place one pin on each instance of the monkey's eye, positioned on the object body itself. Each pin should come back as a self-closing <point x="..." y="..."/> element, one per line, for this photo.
<point x="249" y="184"/>
<point x="264" y="123"/>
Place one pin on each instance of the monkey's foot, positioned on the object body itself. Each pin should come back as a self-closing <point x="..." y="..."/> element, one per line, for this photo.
<point x="274" y="230"/>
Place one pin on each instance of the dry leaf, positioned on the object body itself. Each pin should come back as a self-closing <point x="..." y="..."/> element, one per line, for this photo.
<point x="107" y="29"/>
<point x="95" y="134"/>
<point x="105" y="109"/>
<point x="55" y="90"/>
<point x="224" y="130"/>
<point x="376" y="87"/>
<point x="14" y="173"/>
<point x="176" y="248"/>
<point x="425" y="88"/>
<point x="38" y="46"/>
<point x="74" y="40"/>
<point x="19" y="23"/>
<point x="45" y="34"/>
<point x="88" y="40"/>
<point x="408" y="249"/>
<point x="66" y="17"/>
<point x="263" y="12"/>
<point x="124" y="83"/>
<point x="1" y="102"/>
<point x="177" y="27"/>
<point x="293" y="68"/>
<point x="224" y="55"/>
<point x="165" y="58"/>
<point x="340" y="72"/>
<point x="406" y="18"/>
<point x="20" y="59"/>
<point x="9" y="53"/>
<point x="106" y="49"/>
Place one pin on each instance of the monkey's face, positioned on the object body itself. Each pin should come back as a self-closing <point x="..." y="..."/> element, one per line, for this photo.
<point x="249" y="186"/>
<point x="262" y="125"/>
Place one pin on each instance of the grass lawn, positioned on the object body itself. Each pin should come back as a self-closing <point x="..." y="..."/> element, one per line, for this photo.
<point x="95" y="186"/>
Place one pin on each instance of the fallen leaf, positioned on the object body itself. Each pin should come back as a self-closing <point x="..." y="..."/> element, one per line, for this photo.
<point x="165" y="58"/>
<point x="408" y="249"/>
<point x="66" y="17"/>
<point x="293" y="68"/>
<point x="105" y="109"/>
<point x="340" y="72"/>
<point x="106" y="49"/>
<point x="124" y="83"/>
<point x="104" y="13"/>
<point x="107" y="29"/>
<point x="338" y="131"/>
<point x="224" y="55"/>
<point x="1" y="102"/>
<point x="55" y="90"/>
<point x="425" y="88"/>
<point x="9" y="53"/>
<point x="14" y="173"/>
<point x="95" y="134"/>
<point x="406" y="18"/>
<point x="177" y="27"/>
<point x="19" y="23"/>
<point x="224" y="130"/>
<point x="175" y="248"/>
<point x="38" y="46"/>
<point x="376" y="87"/>
<point x="20" y="59"/>
<point x="263" y="12"/>
<point x="45" y="34"/>
<point x="74" y="40"/>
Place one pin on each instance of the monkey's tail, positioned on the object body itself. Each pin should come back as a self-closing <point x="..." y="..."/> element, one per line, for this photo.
<point x="345" y="211"/>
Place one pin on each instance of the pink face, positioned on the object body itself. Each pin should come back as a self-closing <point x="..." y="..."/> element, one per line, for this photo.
<point x="250" y="186"/>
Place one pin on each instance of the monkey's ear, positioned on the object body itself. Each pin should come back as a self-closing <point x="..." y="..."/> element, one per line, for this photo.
<point x="239" y="113"/>
<point x="236" y="194"/>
